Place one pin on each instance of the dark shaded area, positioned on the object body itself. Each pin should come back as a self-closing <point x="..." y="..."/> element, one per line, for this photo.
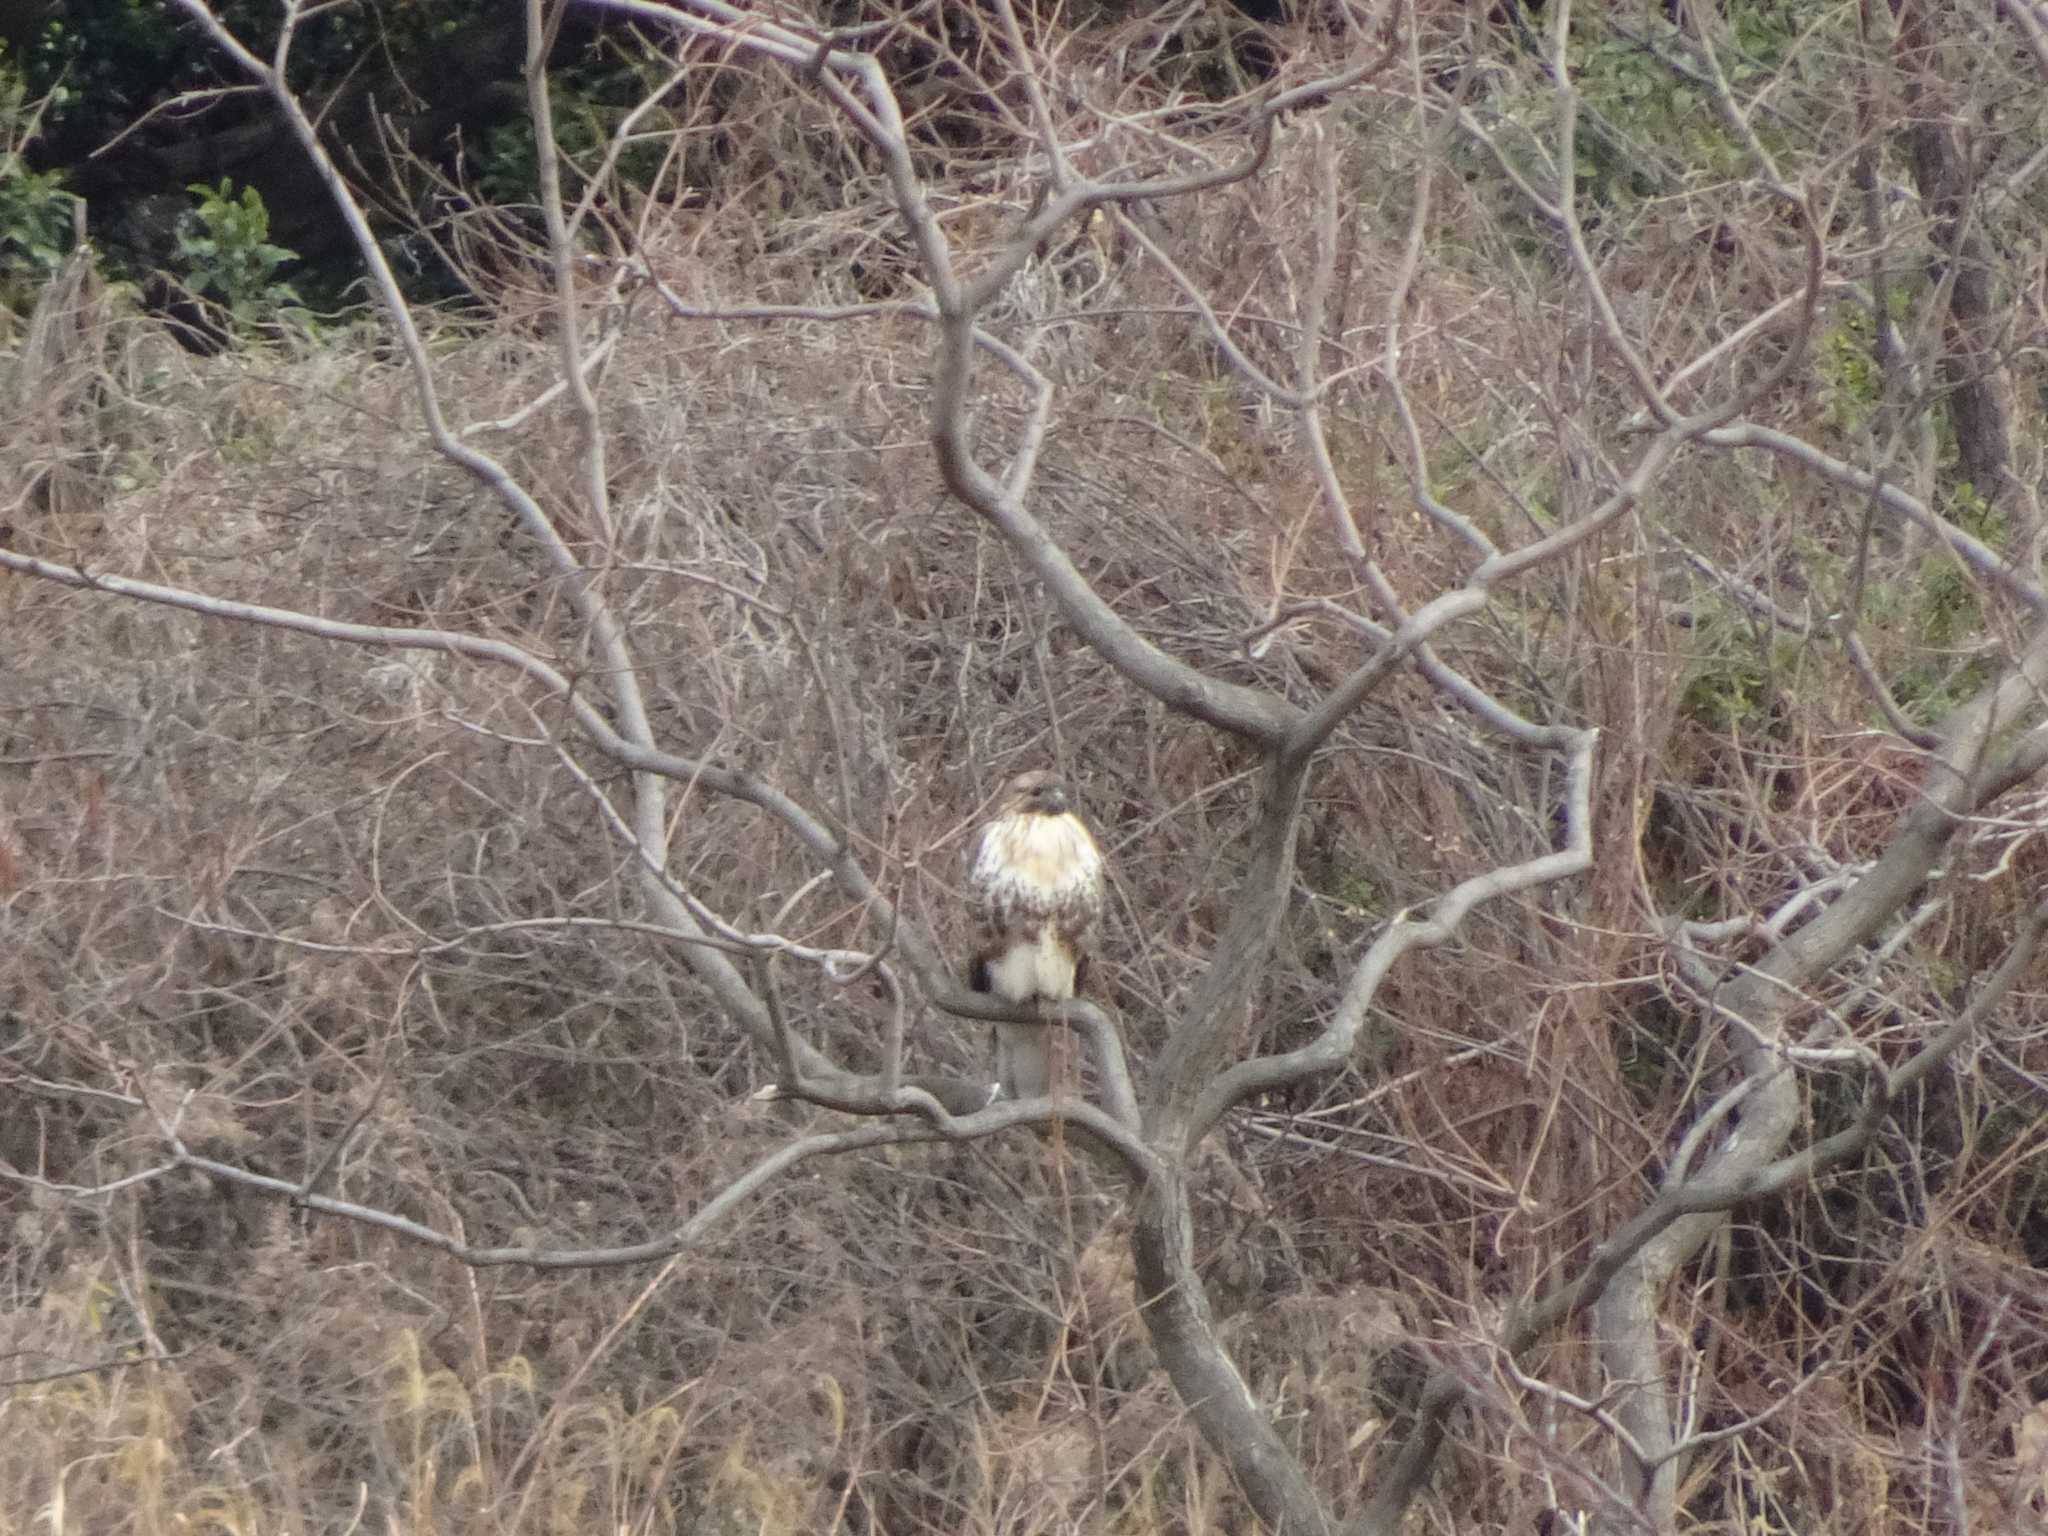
<point x="130" y="123"/>
<point x="424" y="108"/>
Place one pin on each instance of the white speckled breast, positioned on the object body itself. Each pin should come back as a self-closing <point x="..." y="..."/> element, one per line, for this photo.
<point x="1034" y="866"/>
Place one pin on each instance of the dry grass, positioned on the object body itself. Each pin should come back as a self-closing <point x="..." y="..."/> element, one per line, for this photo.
<point x="937" y="1341"/>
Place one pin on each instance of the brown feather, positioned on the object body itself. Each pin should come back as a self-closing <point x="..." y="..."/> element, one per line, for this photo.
<point x="1038" y="888"/>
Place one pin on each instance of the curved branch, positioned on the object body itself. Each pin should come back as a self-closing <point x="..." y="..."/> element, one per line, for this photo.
<point x="689" y="1235"/>
<point x="1407" y="932"/>
<point x="1242" y="710"/>
<point x="1747" y="1165"/>
<point x="939" y="1126"/>
<point x="1183" y="1330"/>
<point x="817" y="838"/>
<point x="1179" y="1096"/>
<point x="1985" y="561"/>
<point x="619" y="671"/>
<point x="1712" y="1193"/>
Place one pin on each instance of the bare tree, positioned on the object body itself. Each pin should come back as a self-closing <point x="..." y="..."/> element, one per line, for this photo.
<point x="1554" y="452"/>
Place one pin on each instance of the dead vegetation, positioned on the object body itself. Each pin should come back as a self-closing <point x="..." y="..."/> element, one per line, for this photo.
<point x="359" y="918"/>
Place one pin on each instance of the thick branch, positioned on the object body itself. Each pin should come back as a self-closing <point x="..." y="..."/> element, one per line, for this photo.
<point x="1627" y="1273"/>
<point x="1747" y="1165"/>
<point x="1708" y="1196"/>
<point x="1410" y="931"/>
<point x="1183" y="1331"/>
<point x="1243" y="711"/>
<point x="1207" y="1031"/>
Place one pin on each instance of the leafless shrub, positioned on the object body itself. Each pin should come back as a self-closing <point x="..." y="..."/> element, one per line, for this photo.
<point x="1623" y="1138"/>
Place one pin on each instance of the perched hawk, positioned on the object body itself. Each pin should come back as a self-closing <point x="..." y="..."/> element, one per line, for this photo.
<point x="1037" y="883"/>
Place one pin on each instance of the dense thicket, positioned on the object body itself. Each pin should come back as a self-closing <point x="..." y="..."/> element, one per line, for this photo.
<point x="1670" y="376"/>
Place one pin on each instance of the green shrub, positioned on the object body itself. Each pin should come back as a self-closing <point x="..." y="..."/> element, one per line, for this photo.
<point x="36" y="210"/>
<point x="1739" y="667"/>
<point x="225" y="252"/>
<point x="35" y="230"/>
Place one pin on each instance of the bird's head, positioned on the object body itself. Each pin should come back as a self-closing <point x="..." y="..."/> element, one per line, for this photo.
<point x="1040" y="792"/>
